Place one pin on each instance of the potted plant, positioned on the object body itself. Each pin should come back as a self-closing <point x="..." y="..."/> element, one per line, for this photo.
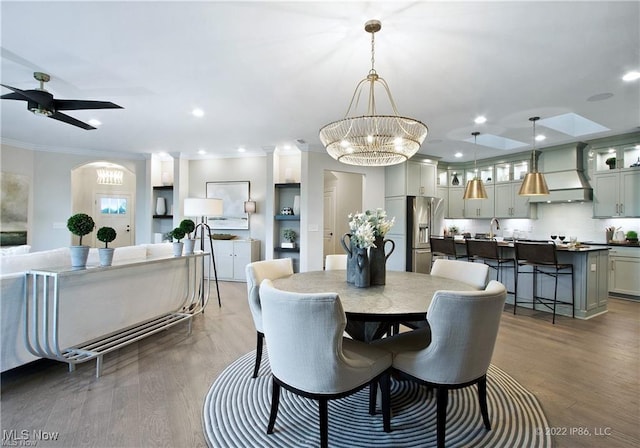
<point x="106" y="235"/>
<point x="177" y="234"/>
<point x="632" y="236"/>
<point x="80" y="224"/>
<point x="290" y="235"/>
<point x="189" y="243"/>
<point x="611" y="162"/>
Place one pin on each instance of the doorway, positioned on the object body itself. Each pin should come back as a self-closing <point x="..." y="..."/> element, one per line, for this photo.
<point x="113" y="210"/>
<point x="343" y="195"/>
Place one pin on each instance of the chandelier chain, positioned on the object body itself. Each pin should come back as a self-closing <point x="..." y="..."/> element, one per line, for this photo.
<point x="373" y="53"/>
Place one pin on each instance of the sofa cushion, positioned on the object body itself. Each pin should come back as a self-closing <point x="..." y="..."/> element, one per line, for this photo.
<point x="35" y="260"/>
<point x="15" y="250"/>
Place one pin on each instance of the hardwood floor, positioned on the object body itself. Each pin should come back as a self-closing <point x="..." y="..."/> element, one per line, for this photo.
<point x="584" y="373"/>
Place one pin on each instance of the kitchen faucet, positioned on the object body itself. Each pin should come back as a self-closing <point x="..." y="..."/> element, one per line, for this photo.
<point x="493" y="220"/>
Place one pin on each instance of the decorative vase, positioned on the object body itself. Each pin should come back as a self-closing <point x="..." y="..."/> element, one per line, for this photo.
<point x="362" y="277"/>
<point x="296" y="205"/>
<point x="79" y="255"/>
<point x="455" y="180"/>
<point x="378" y="260"/>
<point x="106" y="255"/>
<point x="189" y="246"/>
<point x="177" y="248"/>
<point x="349" y="249"/>
<point x="161" y="206"/>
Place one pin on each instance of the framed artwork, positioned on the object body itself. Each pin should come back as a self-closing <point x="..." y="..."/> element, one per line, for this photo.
<point x="233" y="195"/>
<point x="14" y="201"/>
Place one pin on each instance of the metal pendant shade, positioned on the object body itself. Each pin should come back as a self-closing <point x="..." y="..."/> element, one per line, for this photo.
<point x="371" y="139"/>
<point x="475" y="188"/>
<point x="534" y="183"/>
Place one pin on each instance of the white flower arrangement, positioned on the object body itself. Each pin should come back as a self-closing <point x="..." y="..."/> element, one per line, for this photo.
<point x="365" y="227"/>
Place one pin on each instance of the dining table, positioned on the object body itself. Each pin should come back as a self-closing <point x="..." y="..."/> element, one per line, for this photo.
<point x="373" y="310"/>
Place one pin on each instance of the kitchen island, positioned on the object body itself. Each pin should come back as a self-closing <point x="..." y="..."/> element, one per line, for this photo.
<point x="591" y="280"/>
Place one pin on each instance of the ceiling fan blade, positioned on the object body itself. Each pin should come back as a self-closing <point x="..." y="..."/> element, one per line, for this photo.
<point x="14" y="96"/>
<point x="82" y="104"/>
<point x="42" y="97"/>
<point x="70" y="120"/>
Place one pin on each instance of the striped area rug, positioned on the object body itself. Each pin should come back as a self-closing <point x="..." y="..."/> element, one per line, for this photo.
<point x="236" y="412"/>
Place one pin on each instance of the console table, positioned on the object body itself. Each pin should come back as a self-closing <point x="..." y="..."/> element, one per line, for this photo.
<point x="76" y="315"/>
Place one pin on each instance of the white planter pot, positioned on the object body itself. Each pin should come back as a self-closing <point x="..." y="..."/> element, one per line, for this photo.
<point x="177" y="249"/>
<point x="189" y="246"/>
<point x="106" y="255"/>
<point x="288" y="245"/>
<point x="79" y="255"/>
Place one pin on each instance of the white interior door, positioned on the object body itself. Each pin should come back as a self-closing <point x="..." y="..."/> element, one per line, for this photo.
<point x="329" y="219"/>
<point x="114" y="210"/>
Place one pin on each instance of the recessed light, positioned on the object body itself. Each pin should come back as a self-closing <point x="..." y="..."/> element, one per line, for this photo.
<point x="241" y="149"/>
<point x="458" y="155"/>
<point x="631" y="76"/>
<point x="95" y="123"/>
<point x="197" y="112"/>
<point x="540" y="138"/>
<point x="480" y="120"/>
<point x="202" y="152"/>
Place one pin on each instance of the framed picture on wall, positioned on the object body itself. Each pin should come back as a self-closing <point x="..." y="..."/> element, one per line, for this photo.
<point x="233" y="195"/>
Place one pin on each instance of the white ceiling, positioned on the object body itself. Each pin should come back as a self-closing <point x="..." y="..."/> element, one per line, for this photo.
<point x="270" y="73"/>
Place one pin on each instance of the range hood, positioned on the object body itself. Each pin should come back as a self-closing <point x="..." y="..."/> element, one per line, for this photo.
<point x="564" y="173"/>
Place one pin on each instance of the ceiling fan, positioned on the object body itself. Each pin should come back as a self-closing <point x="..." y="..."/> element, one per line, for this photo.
<point x="41" y="102"/>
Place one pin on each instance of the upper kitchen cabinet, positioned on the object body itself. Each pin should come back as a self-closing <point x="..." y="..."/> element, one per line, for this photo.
<point x="413" y="178"/>
<point x="509" y="204"/>
<point x="616" y="179"/>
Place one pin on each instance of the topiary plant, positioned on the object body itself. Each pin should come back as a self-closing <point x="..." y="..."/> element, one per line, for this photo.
<point x="106" y="235"/>
<point x="80" y="224"/>
<point x="188" y="226"/>
<point x="177" y="233"/>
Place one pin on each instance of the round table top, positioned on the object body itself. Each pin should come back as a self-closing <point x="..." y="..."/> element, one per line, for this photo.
<point x="405" y="294"/>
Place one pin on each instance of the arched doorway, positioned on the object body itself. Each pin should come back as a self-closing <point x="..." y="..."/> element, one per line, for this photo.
<point x="107" y="192"/>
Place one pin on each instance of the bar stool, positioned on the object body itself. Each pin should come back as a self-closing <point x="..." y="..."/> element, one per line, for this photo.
<point x="543" y="259"/>
<point x="444" y="247"/>
<point x="489" y="253"/>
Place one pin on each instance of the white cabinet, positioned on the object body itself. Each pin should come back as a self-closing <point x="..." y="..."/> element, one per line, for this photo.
<point x="410" y="179"/>
<point x="617" y="193"/>
<point x="456" y="203"/>
<point x="509" y="204"/>
<point x="624" y="266"/>
<point x="232" y="256"/>
<point x="480" y="208"/>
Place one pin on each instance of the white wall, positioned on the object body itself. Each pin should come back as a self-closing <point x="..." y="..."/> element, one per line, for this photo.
<point x="50" y="192"/>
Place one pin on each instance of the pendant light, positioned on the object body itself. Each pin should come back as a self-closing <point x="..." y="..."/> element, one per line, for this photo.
<point x="534" y="183"/>
<point x="372" y="139"/>
<point x="475" y="188"/>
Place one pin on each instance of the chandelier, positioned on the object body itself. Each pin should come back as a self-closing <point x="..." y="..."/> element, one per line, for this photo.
<point x="372" y="139"/>
<point x="475" y="189"/>
<point x="534" y="183"/>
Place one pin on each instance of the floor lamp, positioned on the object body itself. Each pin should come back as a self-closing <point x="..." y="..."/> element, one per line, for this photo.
<point x="204" y="207"/>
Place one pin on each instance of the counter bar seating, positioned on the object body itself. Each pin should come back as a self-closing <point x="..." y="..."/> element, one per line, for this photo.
<point x="444" y="247"/>
<point x="488" y="252"/>
<point x="543" y="259"/>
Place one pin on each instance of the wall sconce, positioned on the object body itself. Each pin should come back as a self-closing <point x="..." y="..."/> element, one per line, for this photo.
<point x="249" y="206"/>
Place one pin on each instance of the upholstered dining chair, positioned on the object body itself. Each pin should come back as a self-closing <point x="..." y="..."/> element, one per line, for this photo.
<point x="335" y="261"/>
<point x="310" y="357"/>
<point x="456" y="351"/>
<point x="256" y="272"/>
<point x="474" y="274"/>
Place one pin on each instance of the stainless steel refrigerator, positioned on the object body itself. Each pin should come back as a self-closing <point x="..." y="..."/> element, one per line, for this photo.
<point x="425" y="217"/>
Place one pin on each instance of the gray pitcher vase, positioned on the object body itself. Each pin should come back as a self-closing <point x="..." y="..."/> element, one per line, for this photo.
<point x="362" y="278"/>
<point x="378" y="260"/>
<point x="349" y="249"/>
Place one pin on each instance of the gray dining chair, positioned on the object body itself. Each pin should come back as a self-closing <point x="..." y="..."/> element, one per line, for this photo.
<point x="310" y="357"/>
<point x="255" y="273"/>
<point x="335" y="261"/>
<point x="456" y="350"/>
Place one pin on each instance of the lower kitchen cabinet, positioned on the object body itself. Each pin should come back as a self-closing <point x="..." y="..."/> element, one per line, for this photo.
<point x="232" y="256"/>
<point x="624" y="266"/>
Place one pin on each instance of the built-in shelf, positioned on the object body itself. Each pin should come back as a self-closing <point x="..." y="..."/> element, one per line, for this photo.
<point x="163" y="187"/>
<point x="286" y="249"/>
<point x="287" y="218"/>
<point x="163" y="216"/>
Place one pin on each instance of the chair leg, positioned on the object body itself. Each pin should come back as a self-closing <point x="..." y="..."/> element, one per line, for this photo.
<point x="441" y="400"/>
<point x="516" y="272"/>
<point x="373" y="397"/>
<point x="482" y="400"/>
<point x="275" y="401"/>
<point x="385" y="391"/>
<point x="324" y="423"/>
<point x="259" y="343"/>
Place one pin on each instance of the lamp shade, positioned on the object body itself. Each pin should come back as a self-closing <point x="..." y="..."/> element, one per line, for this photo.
<point x="202" y="207"/>
<point x="475" y="190"/>
<point x="534" y="185"/>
